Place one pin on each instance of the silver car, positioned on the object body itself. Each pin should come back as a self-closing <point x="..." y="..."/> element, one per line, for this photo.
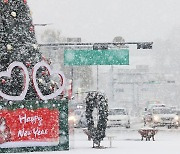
<point x="164" y="116"/>
<point x="118" y="117"/>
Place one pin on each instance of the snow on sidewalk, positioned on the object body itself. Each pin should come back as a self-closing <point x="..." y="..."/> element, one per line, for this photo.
<point x="125" y="142"/>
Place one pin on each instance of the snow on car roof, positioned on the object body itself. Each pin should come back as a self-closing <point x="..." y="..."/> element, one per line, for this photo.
<point x="117" y="108"/>
<point x="159" y="108"/>
<point x="156" y="105"/>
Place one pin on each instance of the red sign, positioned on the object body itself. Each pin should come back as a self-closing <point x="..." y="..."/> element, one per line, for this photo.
<point x="35" y="126"/>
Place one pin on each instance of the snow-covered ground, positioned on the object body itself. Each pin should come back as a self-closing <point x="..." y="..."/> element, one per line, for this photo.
<point x="129" y="141"/>
<point x="126" y="141"/>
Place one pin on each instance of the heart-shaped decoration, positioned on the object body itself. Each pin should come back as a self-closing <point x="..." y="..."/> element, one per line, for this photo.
<point x="26" y="81"/>
<point x="51" y="72"/>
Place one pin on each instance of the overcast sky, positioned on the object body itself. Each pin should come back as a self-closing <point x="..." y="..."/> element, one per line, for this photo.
<point x="102" y="20"/>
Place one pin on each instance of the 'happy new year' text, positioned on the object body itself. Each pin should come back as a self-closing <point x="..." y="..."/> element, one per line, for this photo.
<point x="36" y="132"/>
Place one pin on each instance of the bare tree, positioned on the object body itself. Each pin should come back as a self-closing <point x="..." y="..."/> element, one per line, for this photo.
<point x="119" y="39"/>
<point x="82" y="74"/>
<point x="51" y="36"/>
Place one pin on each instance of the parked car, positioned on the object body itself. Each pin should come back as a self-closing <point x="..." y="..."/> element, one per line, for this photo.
<point x="164" y="116"/>
<point x="118" y="117"/>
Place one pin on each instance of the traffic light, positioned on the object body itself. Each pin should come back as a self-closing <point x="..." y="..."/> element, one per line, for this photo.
<point x="100" y="46"/>
<point x="170" y="81"/>
<point x="145" y="45"/>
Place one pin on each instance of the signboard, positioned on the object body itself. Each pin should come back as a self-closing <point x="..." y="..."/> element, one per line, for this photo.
<point x="29" y="126"/>
<point x="96" y="57"/>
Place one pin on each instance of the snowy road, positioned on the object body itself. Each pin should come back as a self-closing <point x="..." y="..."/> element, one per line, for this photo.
<point x="126" y="142"/>
<point x="129" y="142"/>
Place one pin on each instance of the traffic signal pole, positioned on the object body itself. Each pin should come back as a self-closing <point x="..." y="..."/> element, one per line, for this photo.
<point x="97" y="46"/>
<point x="140" y="45"/>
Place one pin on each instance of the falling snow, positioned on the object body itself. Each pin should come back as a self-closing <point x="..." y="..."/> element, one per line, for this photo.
<point x="120" y="74"/>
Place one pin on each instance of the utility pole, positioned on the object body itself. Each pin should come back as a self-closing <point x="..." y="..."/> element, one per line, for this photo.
<point x="97" y="81"/>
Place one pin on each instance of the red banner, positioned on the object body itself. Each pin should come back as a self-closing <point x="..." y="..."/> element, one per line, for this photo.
<point x="23" y="125"/>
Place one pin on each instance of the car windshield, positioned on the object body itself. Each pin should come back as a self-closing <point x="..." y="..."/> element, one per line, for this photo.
<point x="163" y="111"/>
<point x="117" y="112"/>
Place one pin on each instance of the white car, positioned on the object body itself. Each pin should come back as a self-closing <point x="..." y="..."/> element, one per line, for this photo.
<point x="147" y="116"/>
<point x="118" y="117"/>
<point x="178" y="114"/>
<point x="75" y="117"/>
<point x="151" y="106"/>
<point x="164" y="116"/>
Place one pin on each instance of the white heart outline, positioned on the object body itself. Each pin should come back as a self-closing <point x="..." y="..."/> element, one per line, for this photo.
<point x="26" y="78"/>
<point x="61" y="75"/>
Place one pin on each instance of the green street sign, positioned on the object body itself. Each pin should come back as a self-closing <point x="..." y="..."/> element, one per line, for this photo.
<point x="96" y="57"/>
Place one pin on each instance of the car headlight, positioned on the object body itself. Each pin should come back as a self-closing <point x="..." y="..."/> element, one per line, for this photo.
<point x="72" y="118"/>
<point x="176" y="118"/>
<point x="156" y="118"/>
